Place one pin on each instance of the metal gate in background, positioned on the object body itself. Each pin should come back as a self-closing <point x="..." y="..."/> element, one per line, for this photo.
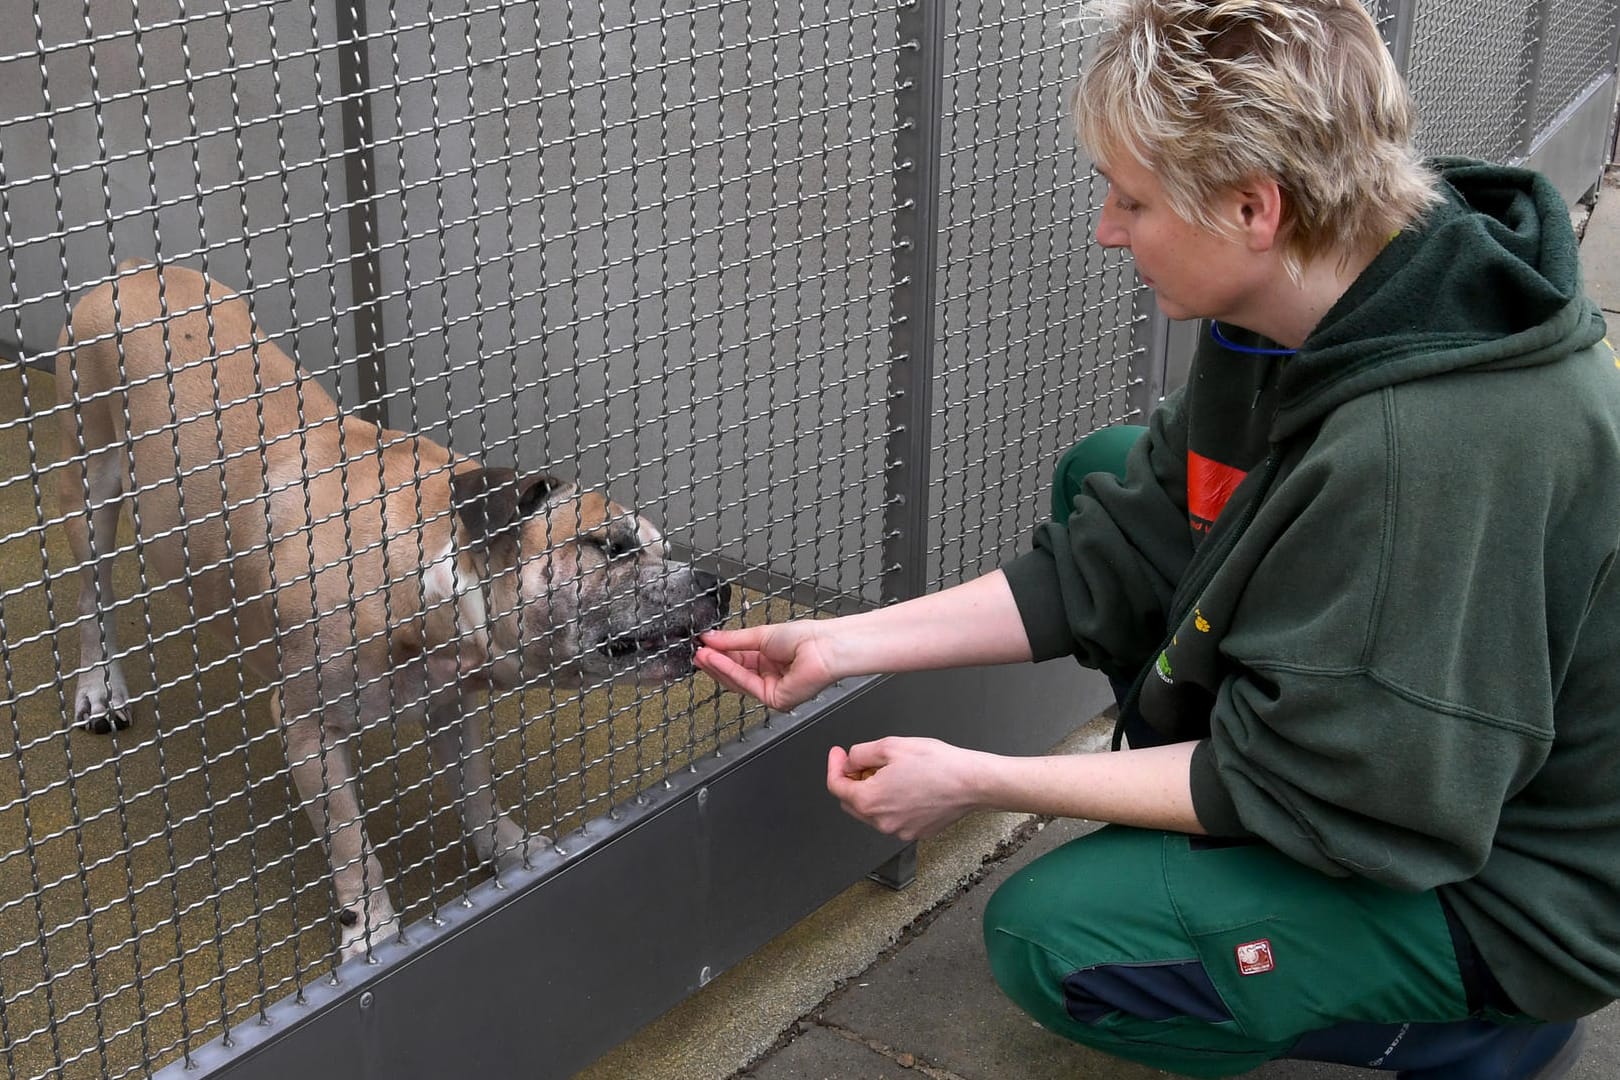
<point x="812" y="286"/>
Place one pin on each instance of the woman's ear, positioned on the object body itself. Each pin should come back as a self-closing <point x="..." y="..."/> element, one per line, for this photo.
<point x="1258" y="203"/>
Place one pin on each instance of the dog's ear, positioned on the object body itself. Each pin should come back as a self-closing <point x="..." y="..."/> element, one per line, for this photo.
<point x="534" y="490"/>
<point x="485" y="500"/>
<point x="490" y="502"/>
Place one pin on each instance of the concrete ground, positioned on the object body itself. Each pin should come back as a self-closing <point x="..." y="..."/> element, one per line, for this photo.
<point x="884" y="986"/>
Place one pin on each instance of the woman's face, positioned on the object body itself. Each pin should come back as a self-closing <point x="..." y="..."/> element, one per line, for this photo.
<point x="1194" y="271"/>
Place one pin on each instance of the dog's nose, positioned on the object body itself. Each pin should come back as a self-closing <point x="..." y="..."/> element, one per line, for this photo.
<point x="709" y="585"/>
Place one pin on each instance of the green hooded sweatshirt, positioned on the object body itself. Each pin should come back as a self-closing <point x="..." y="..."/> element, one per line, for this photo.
<point x="1373" y="579"/>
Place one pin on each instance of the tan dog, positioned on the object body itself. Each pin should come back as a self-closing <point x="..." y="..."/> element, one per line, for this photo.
<point x="369" y="574"/>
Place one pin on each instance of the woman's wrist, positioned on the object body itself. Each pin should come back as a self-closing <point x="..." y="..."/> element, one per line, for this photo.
<point x="854" y="645"/>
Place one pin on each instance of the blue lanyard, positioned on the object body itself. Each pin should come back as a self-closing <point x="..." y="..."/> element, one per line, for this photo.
<point x="1226" y="342"/>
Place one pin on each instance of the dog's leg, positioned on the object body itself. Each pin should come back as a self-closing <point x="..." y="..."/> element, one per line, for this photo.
<point x="326" y="785"/>
<point x="461" y="759"/>
<point x="89" y="500"/>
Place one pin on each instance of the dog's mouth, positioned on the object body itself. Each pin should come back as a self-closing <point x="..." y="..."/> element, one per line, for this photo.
<point x="647" y="643"/>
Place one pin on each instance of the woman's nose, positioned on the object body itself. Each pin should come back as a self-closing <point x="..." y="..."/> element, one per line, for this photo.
<point x="1110" y="234"/>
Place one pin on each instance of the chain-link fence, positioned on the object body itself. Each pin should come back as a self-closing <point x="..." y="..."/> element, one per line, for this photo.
<point x="811" y="288"/>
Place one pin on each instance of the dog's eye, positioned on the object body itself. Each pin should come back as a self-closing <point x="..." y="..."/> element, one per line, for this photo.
<point x="612" y="547"/>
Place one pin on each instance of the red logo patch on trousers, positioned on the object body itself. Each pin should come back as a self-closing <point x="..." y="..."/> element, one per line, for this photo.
<point x="1254" y="957"/>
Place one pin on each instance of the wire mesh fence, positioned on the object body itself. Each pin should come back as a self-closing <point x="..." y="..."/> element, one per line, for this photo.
<point x="645" y="251"/>
<point x="1039" y="328"/>
<point x="651" y="250"/>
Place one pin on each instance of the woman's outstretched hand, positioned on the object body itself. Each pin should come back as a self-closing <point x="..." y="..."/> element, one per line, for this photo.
<point x="782" y="664"/>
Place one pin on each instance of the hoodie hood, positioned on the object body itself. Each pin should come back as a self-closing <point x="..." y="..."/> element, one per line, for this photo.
<point x="1489" y="279"/>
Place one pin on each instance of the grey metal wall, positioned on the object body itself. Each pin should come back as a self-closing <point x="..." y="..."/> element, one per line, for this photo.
<point x="812" y="285"/>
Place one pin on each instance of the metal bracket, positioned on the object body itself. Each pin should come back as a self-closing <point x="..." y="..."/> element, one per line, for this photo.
<point x="898" y="872"/>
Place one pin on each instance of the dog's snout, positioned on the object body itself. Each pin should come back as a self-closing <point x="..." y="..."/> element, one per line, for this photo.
<point x="710" y="585"/>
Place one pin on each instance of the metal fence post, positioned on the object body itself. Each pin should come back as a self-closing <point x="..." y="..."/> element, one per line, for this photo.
<point x="1398" y="30"/>
<point x="918" y="94"/>
<point x="1535" y="48"/>
<point x="360" y="180"/>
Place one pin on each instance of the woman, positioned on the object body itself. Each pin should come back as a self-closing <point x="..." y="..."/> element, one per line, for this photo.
<point x="1357" y="572"/>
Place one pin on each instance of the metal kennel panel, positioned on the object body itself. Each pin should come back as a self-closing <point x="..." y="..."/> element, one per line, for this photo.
<point x="206" y="131"/>
<point x="1517" y="83"/>
<point x="1041" y="333"/>
<point x="649" y="251"/>
<point x="153" y="891"/>
<point x="650" y="246"/>
<point x="1577" y="42"/>
<point x="1470" y="73"/>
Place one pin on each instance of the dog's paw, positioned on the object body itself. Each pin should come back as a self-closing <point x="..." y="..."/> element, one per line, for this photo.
<point x="503" y="843"/>
<point x="523" y="851"/>
<point x="366" y="925"/>
<point x="102" y="705"/>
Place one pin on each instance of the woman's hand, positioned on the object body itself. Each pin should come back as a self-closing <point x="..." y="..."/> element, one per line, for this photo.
<point x="782" y="665"/>
<point x="911" y="788"/>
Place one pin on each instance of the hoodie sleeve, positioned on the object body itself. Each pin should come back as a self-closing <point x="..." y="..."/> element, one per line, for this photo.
<point x="1390" y="685"/>
<point x="1099" y="587"/>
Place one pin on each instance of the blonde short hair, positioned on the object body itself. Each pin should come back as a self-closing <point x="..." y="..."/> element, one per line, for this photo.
<point x="1209" y="93"/>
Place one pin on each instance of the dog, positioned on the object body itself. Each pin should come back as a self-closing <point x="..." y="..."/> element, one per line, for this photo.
<point x="369" y="575"/>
